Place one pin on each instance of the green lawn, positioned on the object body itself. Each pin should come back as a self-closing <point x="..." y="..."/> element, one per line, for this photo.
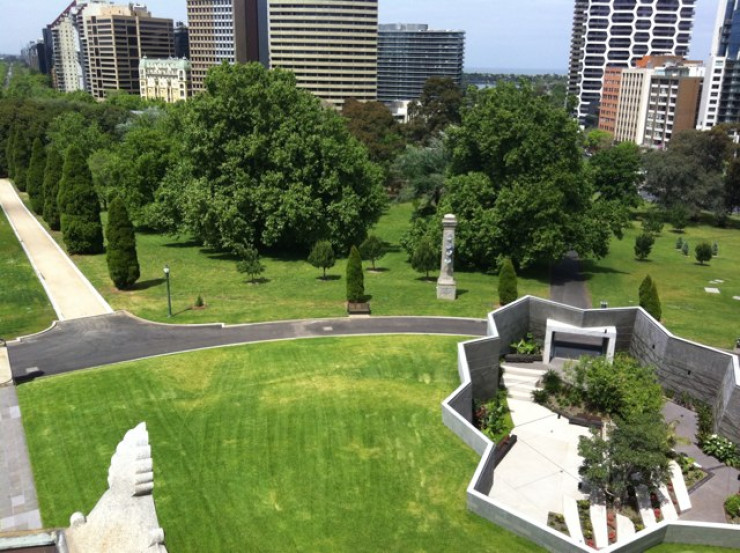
<point x="679" y="548"/>
<point x="688" y="310"/>
<point x="24" y="307"/>
<point x="312" y="445"/>
<point x="292" y="289"/>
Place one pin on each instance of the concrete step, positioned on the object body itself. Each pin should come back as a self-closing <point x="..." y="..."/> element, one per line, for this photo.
<point x="521" y="371"/>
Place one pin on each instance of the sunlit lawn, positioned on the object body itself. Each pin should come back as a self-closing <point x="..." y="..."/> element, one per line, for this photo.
<point x="688" y="310"/>
<point x="313" y="445"/>
<point x="24" y="307"/>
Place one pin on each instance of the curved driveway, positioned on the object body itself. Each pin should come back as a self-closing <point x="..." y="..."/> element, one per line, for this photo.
<point x="94" y="341"/>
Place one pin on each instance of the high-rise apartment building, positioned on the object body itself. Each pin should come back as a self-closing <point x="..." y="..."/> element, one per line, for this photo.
<point x="182" y="41"/>
<point x="226" y="30"/>
<point x="618" y="33"/>
<point x="330" y="45"/>
<point x="720" y="101"/>
<point x="66" y="64"/>
<point x="409" y="54"/>
<point x="114" y="38"/>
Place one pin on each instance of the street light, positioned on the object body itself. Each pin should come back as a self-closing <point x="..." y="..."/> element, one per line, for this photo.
<point x="169" y="298"/>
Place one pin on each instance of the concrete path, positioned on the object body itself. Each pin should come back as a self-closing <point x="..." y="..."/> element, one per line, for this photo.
<point x="567" y="283"/>
<point x="96" y="341"/>
<point x="19" y="508"/>
<point x="70" y="293"/>
<point x="707" y="501"/>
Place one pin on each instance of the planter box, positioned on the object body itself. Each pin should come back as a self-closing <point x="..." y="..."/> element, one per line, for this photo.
<point x="358" y="308"/>
<point x="523" y="357"/>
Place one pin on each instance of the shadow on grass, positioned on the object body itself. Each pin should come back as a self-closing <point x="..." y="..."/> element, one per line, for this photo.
<point x="589" y="269"/>
<point x="329" y="277"/>
<point x="427" y="279"/>
<point x="183" y="245"/>
<point x="257" y="281"/>
<point x="643" y="260"/>
<point x="377" y="270"/>
<point x="146" y="284"/>
<point x="461" y="292"/>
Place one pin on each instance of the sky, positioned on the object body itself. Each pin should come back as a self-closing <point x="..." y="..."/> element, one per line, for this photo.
<point x="524" y="35"/>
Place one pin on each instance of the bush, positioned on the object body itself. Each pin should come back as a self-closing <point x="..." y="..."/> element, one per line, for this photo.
<point x="322" y="256"/>
<point x="679" y="217"/>
<point x="507" y="283"/>
<point x="123" y="264"/>
<point x="249" y="262"/>
<point x="705" y="422"/>
<point x="643" y="246"/>
<point x="721" y="449"/>
<point x="355" y="277"/>
<point x="732" y="505"/>
<point x="685" y="248"/>
<point x="652" y="223"/>
<point x="526" y="346"/>
<point x="540" y="396"/>
<point x="425" y="257"/>
<point x="715" y="249"/>
<point x="703" y="252"/>
<point x="552" y="382"/>
<point x="491" y="416"/>
<point x="679" y="243"/>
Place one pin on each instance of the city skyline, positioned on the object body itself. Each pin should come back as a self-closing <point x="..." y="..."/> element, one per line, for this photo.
<point x="529" y="35"/>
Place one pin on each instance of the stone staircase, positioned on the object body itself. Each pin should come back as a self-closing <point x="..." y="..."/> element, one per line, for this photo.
<point x="521" y="379"/>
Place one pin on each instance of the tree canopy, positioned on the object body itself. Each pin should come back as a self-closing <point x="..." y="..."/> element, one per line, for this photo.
<point x="262" y="163"/>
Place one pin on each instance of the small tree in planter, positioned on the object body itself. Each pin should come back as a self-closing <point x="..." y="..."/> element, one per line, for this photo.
<point x="249" y="262"/>
<point x="507" y="283"/>
<point x="355" y="278"/>
<point x="703" y="252"/>
<point x="373" y="249"/>
<point x="322" y="256"/>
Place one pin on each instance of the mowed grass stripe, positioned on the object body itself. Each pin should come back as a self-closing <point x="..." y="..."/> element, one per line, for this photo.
<point x="24" y="307"/>
<point x="315" y="445"/>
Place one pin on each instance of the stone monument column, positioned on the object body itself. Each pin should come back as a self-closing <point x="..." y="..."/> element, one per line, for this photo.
<point x="446" y="285"/>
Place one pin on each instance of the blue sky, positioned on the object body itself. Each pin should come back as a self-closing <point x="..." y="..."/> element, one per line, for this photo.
<point x="516" y="34"/>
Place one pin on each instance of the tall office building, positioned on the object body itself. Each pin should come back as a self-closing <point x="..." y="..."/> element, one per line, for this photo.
<point x="114" y="38"/>
<point x="409" y="54"/>
<point x="618" y="33"/>
<point x="720" y="101"/>
<point x="182" y="42"/>
<point x="225" y="30"/>
<point x="330" y="45"/>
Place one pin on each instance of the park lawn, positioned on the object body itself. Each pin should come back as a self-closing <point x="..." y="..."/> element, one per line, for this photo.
<point x="309" y="445"/>
<point x="24" y="307"/>
<point x="291" y="288"/>
<point x="680" y="548"/>
<point x="688" y="311"/>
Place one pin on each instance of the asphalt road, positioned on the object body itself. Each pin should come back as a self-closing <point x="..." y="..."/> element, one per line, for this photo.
<point x="567" y="283"/>
<point x="95" y="341"/>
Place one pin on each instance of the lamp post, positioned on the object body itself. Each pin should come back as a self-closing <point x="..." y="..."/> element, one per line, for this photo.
<point x="169" y="298"/>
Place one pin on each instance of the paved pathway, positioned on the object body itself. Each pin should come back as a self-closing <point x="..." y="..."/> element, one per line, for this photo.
<point x="567" y="284"/>
<point x="96" y="341"/>
<point x="70" y="293"/>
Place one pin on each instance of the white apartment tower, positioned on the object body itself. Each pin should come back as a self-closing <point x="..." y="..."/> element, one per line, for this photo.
<point x="618" y="33"/>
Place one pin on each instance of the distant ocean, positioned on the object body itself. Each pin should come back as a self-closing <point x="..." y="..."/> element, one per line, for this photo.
<point x="516" y="71"/>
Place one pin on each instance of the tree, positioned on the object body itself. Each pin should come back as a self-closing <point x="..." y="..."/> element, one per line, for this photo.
<point x="652" y="222"/>
<point x="52" y="176"/>
<point x="643" y="245"/>
<point x="79" y="206"/>
<point x="425" y="257"/>
<point x="616" y="173"/>
<point x="10" y="151"/>
<point x="249" y="262"/>
<point x="322" y="256"/>
<point x="259" y="161"/>
<point x="703" y="252"/>
<point x="123" y="263"/>
<point x="507" y="283"/>
<point x="732" y="185"/>
<point x="21" y="157"/>
<point x="679" y="217"/>
<point x="35" y="176"/>
<point x="598" y="140"/>
<point x="355" y="277"/>
<point x="373" y="124"/>
<point x="438" y="108"/>
<point x="422" y="171"/>
<point x="648" y="296"/>
<point x="372" y="248"/>
<point x="73" y="127"/>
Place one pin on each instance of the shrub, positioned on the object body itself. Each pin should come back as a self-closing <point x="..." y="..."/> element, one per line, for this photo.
<point x="649" y="299"/>
<point x="507" y="283"/>
<point x="679" y="217"/>
<point x="643" y="246"/>
<point x="526" y="346"/>
<point x="715" y="249"/>
<point x="123" y="264"/>
<point x="540" y="396"/>
<point x="679" y="243"/>
<point x="199" y="301"/>
<point x="249" y="262"/>
<point x="652" y="222"/>
<point x="322" y="256"/>
<point x="372" y="248"/>
<point x="552" y="382"/>
<point x="491" y="416"/>
<point x="705" y="422"/>
<point x="355" y="277"/>
<point x="721" y="449"/>
<point x="425" y="257"/>
<point x="732" y="505"/>
<point x="685" y="248"/>
<point x="703" y="252"/>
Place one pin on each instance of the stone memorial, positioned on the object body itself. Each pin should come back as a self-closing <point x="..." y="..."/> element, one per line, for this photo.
<point x="446" y="285"/>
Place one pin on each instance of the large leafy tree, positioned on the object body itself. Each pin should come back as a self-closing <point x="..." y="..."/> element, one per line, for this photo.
<point x="263" y="163"/>
<point x="616" y="172"/>
<point x="438" y="107"/>
<point x="79" y="206"/>
<point x="373" y="124"/>
<point x="519" y="187"/>
<point x="123" y="263"/>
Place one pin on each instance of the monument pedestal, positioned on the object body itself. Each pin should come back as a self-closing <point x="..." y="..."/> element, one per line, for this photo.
<point x="447" y="291"/>
<point x="446" y="285"/>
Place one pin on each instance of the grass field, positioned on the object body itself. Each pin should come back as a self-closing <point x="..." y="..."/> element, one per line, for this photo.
<point x="313" y="445"/>
<point x="688" y="310"/>
<point x="24" y="307"/>
<point x="292" y="289"/>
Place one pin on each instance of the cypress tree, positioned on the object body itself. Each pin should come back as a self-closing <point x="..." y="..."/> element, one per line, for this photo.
<point x="649" y="299"/>
<point x="10" y="151"/>
<point x="35" y="176"/>
<point x="507" y="283"/>
<point x="355" y="277"/>
<point x="656" y="308"/>
<point x="21" y="159"/>
<point x="79" y="206"/>
<point x="123" y="264"/>
<point x="52" y="176"/>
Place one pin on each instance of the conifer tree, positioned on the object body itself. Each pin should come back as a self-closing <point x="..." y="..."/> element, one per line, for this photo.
<point x="35" y="176"/>
<point x="355" y="277"/>
<point x="425" y="257"/>
<point x="79" y="206"/>
<point x="123" y="264"/>
<point x="10" y="151"/>
<point x="21" y="158"/>
<point x="507" y="283"/>
<point x="52" y="176"/>
<point x="649" y="300"/>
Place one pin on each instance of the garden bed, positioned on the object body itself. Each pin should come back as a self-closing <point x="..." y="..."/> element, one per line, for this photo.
<point x="556" y="521"/>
